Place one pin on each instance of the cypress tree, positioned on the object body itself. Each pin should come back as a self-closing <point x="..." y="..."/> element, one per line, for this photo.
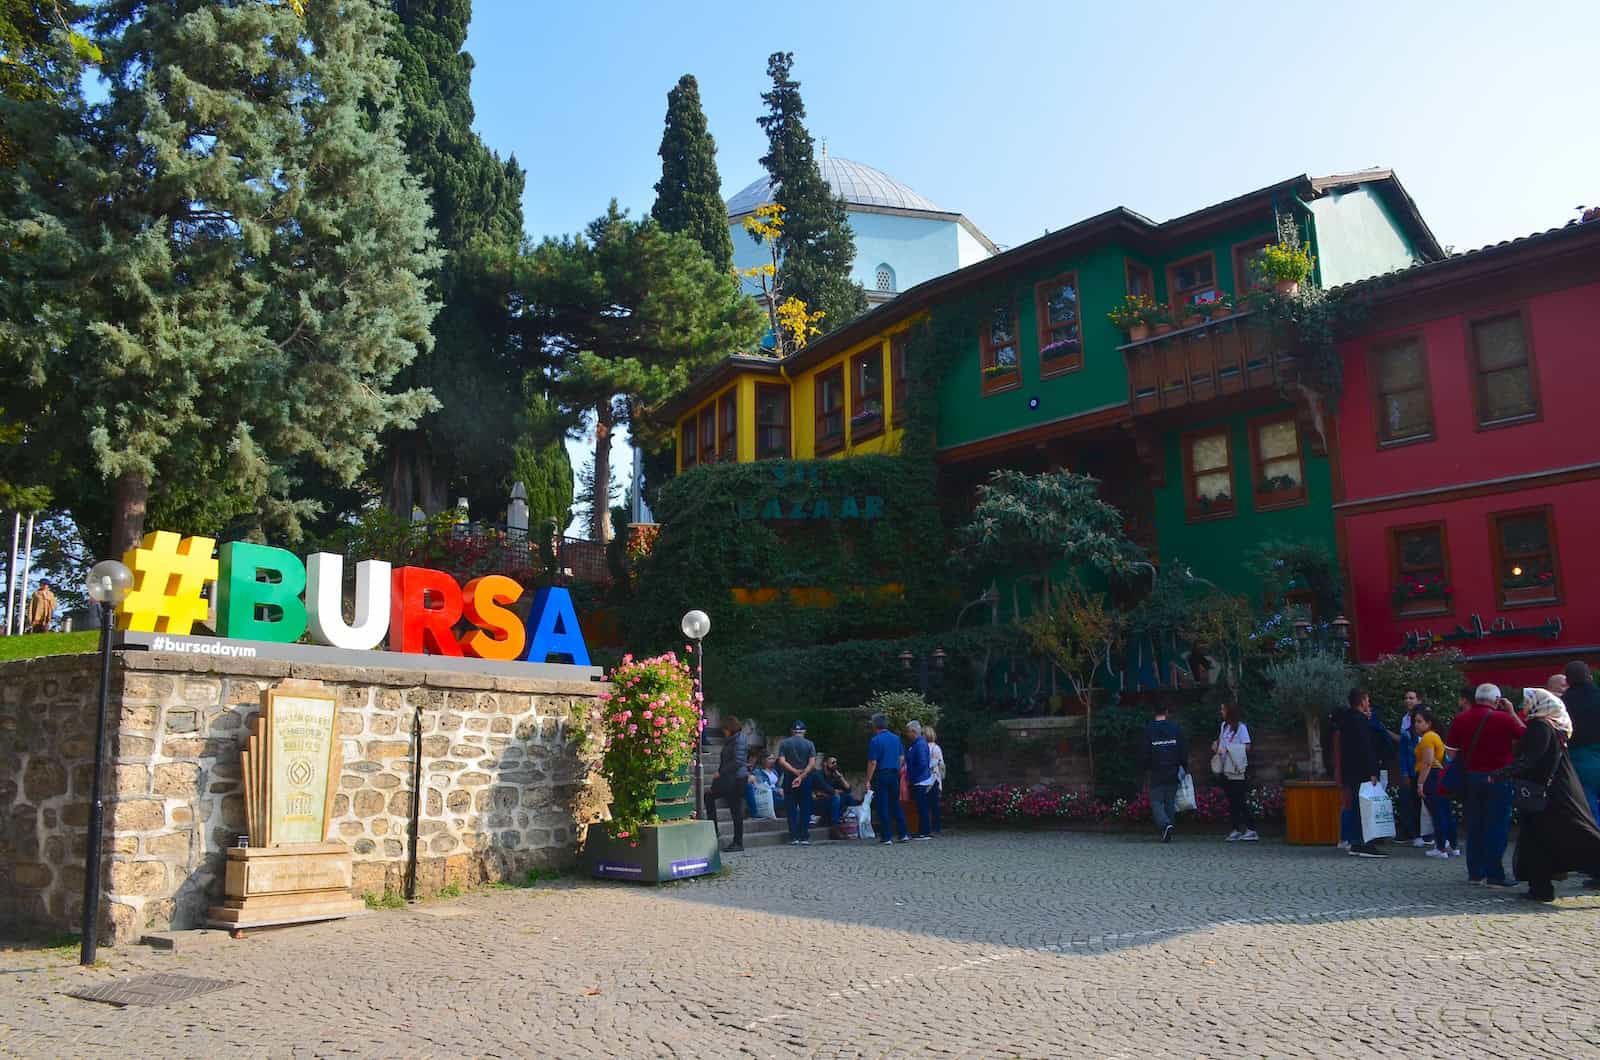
<point x="817" y="245"/>
<point x="689" y="193"/>
<point x="540" y="462"/>
<point x="473" y="370"/>
<point x="213" y="277"/>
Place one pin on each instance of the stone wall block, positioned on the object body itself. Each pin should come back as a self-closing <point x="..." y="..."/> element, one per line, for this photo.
<point x="44" y="778"/>
<point x="435" y="746"/>
<point x="383" y="724"/>
<point x="132" y="779"/>
<point x="138" y="877"/>
<point x="146" y="687"/>
<point x="351" y="722"/>
<point x="142" y="719"/>
<point x="202" y="691"/>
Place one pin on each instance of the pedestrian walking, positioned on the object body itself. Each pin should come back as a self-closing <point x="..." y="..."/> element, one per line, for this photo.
<point x="937" y="767"/>
<point x="1483" y="736"/>
<point x="1429" y="769"/>
<point x="1358" y="765"/>
<point x="1558" y="832"/>
<point x="797" y="757"/>
<point x="1582" y="701"/>
<point x="884" y="758"/>
<point x="1233" y="747"/>
<point x="731" y="782"/>
<point x="919" y="777"/>
<point x="1166" y="754"/>
<point x="41" y="608"/>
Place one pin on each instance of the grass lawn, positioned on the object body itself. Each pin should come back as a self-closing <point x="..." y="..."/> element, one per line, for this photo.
<point x="30" y="645"/>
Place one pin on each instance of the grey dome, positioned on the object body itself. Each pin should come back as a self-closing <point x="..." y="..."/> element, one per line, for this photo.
<point x="857" y="184"/>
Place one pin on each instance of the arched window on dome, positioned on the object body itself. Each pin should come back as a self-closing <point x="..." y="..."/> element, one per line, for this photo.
<point x="884" y="280"/>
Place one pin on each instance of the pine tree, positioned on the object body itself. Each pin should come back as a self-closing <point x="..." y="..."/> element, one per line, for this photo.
<point x="632" y="311"/>
<point x="474" y="369"/>
<point x="817" y="245"/>
<point x="689" y="193"/>
<point x="213" y="277"/>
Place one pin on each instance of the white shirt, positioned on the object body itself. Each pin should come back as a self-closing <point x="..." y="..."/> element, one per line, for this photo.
<point x="1233" y="744"/>
<point x="936" y="762"/>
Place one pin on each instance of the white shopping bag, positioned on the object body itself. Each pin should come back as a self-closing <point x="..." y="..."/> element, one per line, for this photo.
<point x="1377" y="813"/>
<point x="1185" y="800"/>
<point x="1427" y="822"/>
<point x="763" y="797"/>
<point x="864" y="817"/>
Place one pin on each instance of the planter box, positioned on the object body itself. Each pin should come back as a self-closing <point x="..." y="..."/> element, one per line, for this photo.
<point x="1311" y="811"/>
<point x="659" y="853"/>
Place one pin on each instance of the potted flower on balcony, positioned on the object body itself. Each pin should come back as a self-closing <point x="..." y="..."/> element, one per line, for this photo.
<point x="1285" y="264"/>
<point x="998" y="371"/>
<point x="1219" y="307"/>
<point x="1416" y="589"/>
<point x="1134" y="316"/>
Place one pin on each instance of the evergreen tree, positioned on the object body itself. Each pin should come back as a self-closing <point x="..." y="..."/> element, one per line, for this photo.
<point x="631" y="311"/>
<point x="540" y="462"/>
<point x="39" y="40"/>
<point x="816" y="245"/>
<point x="474" y="369"/>
<point x="689" y="193"/>
<point x="212" y="278"/>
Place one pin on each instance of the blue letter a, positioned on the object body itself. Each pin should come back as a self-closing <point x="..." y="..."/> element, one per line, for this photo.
<point x="553" y="629"/>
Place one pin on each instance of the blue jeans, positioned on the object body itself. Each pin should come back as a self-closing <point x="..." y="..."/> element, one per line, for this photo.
<point x="1163" y="805"/>
<point x="1350" y="816"/>
<point x="799" y="801"/>
<point x="834" y="803"/>
<point x="1586" y="763"/>
<point x="889" y="819"/>
<point x="1488" y="808"/>
<point x="1443" y="812"/>
<point x="919" y="798"/>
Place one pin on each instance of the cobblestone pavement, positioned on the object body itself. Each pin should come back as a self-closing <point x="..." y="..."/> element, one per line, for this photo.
<point x="987" y="944"/>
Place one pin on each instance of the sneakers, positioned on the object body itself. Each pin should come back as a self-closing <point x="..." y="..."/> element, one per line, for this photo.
<point x="1419" y="842"/>
<point x="1249" y="836"/>
<point x="1234" y="837"/>
<point x="1367" y="851"/>
<point x="1456" y="852"/>
<point x="1438" y="854"/>
<point x="1344" y="844"/>
<point x="885" y="842"/>
<point x="921" y="837"/>
<point x="733" y="848"/>
<point x="1499" y="885"/>
<point x="1166" y="834"/>
<point x="805" y="842"/>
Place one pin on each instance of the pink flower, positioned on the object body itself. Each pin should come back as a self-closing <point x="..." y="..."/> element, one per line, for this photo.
<point x="647" y="715"/>
<point x="632" y="729"/>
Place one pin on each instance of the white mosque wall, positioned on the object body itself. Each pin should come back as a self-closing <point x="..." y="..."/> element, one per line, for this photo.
<point x="968" y="250"/>
<point x="914" y="248"/>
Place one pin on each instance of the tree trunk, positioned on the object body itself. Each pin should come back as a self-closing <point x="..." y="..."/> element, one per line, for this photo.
<point x="1314" y="744"/>
<point x="132" y="491"/>
<point x="433" y="487"/>
<point x="600" y="497"/>
<point x="399" y="486"/>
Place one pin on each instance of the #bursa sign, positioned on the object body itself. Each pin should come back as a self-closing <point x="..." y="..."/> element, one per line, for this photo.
<point x="269" y="596"/>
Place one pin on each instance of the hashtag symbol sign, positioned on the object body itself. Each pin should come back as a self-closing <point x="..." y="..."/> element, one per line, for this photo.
<point x="169" y="575"/>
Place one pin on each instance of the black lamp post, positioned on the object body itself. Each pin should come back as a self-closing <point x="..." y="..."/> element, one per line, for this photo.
<point x="695" y="626"/>
<point x="924" y="677"/>
<point x="108" y="583"/>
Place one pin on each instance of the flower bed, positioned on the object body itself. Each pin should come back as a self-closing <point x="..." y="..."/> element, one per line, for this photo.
<point x="1009" y="805"/>
<point x="649" y="728"/>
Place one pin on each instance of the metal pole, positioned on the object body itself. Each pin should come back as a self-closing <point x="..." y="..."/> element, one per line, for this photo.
<point x="91" y="870"/>
<point x="11" y="570"/>
<point x="27" y="569"/>
<point x="700" y="736"/>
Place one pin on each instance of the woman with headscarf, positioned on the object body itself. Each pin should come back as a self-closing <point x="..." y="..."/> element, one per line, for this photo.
<point x="1563" y="836"/>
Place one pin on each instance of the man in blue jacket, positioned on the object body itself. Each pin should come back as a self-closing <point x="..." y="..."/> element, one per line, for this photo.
<point x="919" y="777"/>
<point x="884" y="758"/>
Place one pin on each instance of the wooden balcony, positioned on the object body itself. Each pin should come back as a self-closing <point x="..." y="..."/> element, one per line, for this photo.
<point x="1197" y="364"/>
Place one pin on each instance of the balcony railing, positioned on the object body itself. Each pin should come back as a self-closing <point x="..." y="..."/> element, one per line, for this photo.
<point x="1201" y="363"/>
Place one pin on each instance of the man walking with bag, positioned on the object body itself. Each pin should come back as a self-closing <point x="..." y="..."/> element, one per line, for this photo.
<point x="1166" y="754"/>
<point x="733" y="776"/>
<point x="1358" y="765"/>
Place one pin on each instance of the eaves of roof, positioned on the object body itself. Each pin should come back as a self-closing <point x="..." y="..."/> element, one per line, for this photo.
<point x="715" y="378"/>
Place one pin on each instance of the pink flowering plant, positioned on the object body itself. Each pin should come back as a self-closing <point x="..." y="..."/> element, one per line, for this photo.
<point x="649" y="725"/>
<point x="1010" y="804"/>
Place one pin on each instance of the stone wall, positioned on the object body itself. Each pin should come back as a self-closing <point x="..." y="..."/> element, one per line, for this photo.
<point x="502" y="777"/>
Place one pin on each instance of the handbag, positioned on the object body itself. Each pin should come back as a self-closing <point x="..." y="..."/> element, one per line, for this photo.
<point x="1219" y="761"/>
<point x="1453" y="784"/>
<point x="1530" y="797"/>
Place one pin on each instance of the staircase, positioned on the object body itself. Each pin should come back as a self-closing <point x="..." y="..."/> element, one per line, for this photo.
<point x="757" y="833"/>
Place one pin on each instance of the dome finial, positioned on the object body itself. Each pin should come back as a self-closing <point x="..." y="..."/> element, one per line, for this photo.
<point x="824" y="147"/>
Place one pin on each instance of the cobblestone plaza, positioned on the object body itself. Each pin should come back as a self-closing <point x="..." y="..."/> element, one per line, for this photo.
<point x="985" y="944"/>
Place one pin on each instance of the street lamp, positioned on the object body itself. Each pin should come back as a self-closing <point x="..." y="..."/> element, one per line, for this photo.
<point x="695" y="626"/>
<point x="108" y="583"/>
<point x="1341" y="633"/>
<point x="923" y="677"/>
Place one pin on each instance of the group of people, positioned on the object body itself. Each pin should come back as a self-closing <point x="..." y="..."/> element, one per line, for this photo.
<point x="1541" y="760"/>
<point x="803" y="784"/>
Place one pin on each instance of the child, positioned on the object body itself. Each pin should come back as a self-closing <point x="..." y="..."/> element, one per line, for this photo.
<point x="1430" y="768"/>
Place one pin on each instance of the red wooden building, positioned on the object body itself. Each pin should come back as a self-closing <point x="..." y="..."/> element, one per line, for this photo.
<point x="1467" y="474"/>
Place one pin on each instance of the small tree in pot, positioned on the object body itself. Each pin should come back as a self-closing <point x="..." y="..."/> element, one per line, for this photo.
<point x="1311" y="683"/>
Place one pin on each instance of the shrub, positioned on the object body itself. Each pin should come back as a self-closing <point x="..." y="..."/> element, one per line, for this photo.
<point x="900" y="708"/>
<point x="1436" y="676"/>
<point x="1008" y="803"/>
<point x="649" y="729"/>
<point x="1312" y="683"/>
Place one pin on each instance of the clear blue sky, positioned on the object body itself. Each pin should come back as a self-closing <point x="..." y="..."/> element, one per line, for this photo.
<point x="1029" y="116"/>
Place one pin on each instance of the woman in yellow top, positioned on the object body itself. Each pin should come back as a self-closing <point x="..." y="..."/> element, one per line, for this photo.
<point x="1430" y="768"/>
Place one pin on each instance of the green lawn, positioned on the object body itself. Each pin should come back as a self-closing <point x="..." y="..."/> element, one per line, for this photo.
<point x="30" y="645"/>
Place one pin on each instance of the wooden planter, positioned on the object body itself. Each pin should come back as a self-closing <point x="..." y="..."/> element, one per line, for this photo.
<point x="1311" y="811"/>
